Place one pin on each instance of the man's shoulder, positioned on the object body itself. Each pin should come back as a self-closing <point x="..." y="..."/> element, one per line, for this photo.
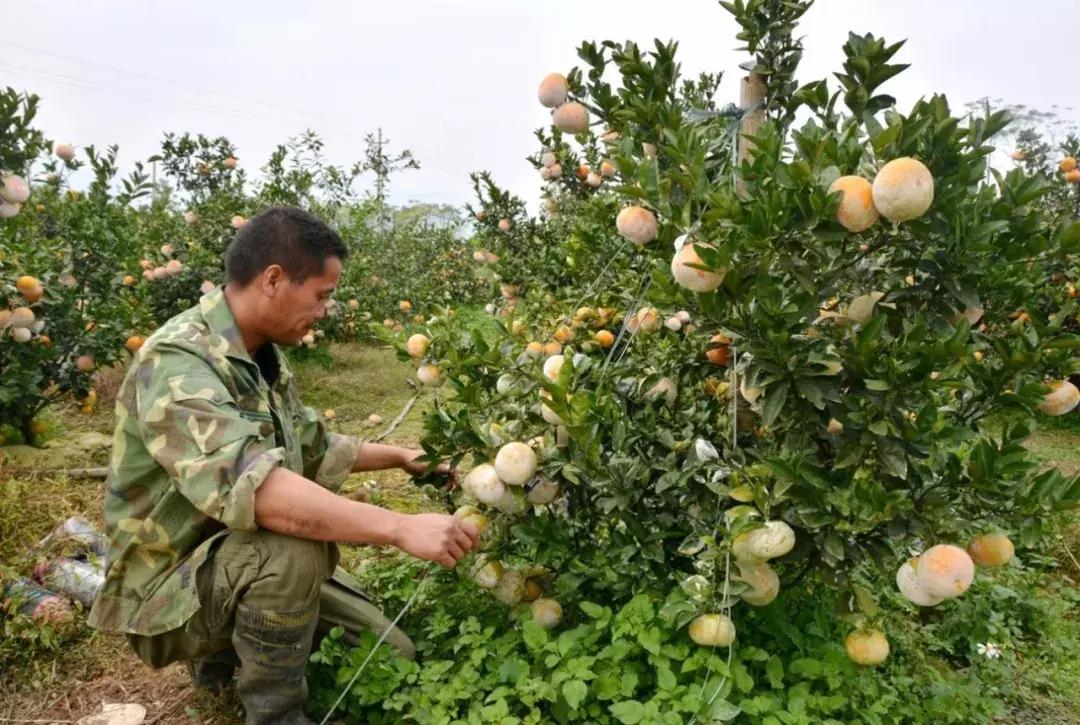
<point x="184" y="344"/>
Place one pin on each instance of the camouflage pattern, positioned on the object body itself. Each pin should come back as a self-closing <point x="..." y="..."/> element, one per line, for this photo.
<point x="198" y="430"/>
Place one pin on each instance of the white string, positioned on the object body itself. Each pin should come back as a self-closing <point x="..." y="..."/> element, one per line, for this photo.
<point x="382" y="638"/>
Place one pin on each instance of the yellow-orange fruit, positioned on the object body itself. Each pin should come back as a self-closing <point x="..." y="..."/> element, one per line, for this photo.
<point x="712" y="630"/>
<point x="1073" y="177"/>
<point x="604" y="339"/>
<point x="553" y="90"/>
<point x="990" y="550"/>
<point x="856" y="212"/>
<point x="128" y="280"/>
<point x="1067" y="164"/>
<point x="552" y="348"/>
<point x="571" y="118"/>
<point x="534" y="350"/>
<point x="903" y="189"/>
<point x="945" y="571"/>
<point x="1062" y="399"/>
<point x="134" y="342"/>
<point x="563" y="334"/>
<point x="637" y="224"/>
<point x="30" y="289"/>
<point x="719" y="351"/>
<point x="867" y="647"/>
<point x="690" y="277"/>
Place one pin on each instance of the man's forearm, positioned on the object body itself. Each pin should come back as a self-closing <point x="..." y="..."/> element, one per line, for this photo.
<point x="288" y="503"/>
<point x="377" y="457"/>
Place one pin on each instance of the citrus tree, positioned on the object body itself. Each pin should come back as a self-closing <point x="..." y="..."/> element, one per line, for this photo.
<point x="828" y="307"/>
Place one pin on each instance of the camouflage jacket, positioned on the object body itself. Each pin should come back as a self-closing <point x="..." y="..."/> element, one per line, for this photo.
<point x="198" y="429"/>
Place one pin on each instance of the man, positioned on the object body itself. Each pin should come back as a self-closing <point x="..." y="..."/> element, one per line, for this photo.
<point x="220" y="503"/>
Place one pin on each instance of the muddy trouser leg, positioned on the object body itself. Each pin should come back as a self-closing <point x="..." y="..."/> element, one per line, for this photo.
<point x="260" y="594"/>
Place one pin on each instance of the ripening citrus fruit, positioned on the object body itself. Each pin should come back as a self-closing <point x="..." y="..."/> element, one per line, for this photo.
<point x="515" y="463"/>
<point x="547" y="613"/>
<point x="763" y="582"/>
<point x="867" y="647"/>
<point x="417" y="345"/>
<point x="1062" y="398"/>
<point x="484" y="483"/>
<point x="230" y="162"/>
<point x="552" y="348"/>
<point x="30" y="289"/>
<point x="553" y="367"/>
<point x="772" y="540"/>
<point x="903" y="189"/>
<point x="473" y="515"/>
<point x="85" y="363"/>
<point x="64" y="151"/>
<point x="19" y="317"/>
<point x="719" y="351"/>
<point x="237" y="221"/>
<point x="8" y="210"/>
<point x="563" y="334"/>
<point x="39" y="427"/>
<point x="582" y="172"/>
<point x="534" y="350"/>
<point x="13" y="189"/>
<point x="945" y="571"/>
<point x="666" y="389"/>
<point x="548" y="159"/>
<point x="856" y="212"/>
<point x="134" y="342"/>
<point x="637" y="224"/>
<point x="1067" y="164"/>
<point x="128" y="281"/>
<point x="427" y="374"/>
<point x="404" y="305"/>
<point x="572" y="118"/>
<point x="487" y="574"/>
<point x="174" y="267"/>
<point x="604" y="339"/>
<point x="542" y="493"/>
<point x="511" y="588"/>
<point x="607" y="169"/>
<point x="645" y="321"/>
<point x="690" y="277"/>
<point x="908" y="583"/>
<point x="990" y="550"/>
<point x="1073" y="177"/>
<point x="712" y="630"/>
<point x="553" y="90"/>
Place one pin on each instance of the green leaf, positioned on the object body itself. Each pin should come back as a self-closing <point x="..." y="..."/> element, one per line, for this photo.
<point x="628" y="712"/>
<point x="575" y="692"/>
<point x="775" y="397"/>
<point x="723" y="711"/>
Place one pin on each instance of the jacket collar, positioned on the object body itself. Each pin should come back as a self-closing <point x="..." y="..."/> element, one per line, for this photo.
<point x="219" y="318"/>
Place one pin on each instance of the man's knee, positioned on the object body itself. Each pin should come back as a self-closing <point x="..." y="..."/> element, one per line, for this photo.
<point x="290" y="570"/>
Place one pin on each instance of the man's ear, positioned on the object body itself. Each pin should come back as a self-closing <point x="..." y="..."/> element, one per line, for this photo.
<point x="273" y="280"/>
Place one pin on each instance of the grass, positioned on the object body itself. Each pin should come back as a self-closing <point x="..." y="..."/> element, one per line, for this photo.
<point x="69" y="677"/>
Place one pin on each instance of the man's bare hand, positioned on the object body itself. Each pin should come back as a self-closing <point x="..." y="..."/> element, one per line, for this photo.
<point x="440" y="538"/>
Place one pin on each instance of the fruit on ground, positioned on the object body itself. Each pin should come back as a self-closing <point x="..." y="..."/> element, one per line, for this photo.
<point x="417" y="345"/>
<point x="712" y="630"/>
<point x="515" y="463"/>
<point x="571" y="117"/>
<point x="990" y="550"/>
<point x="374" y="419"/>
<point x="856" y="212"/>
<point x="1067" y="164"/>
<point x="85" y="363"/>
<point x="908" y="584"/>
<point x="14" y="189"/>
<point x="867" y="647"/>
<point x="690" y="277"/>
<point x="308" y="339"/>
<point x="604" y="338"/>
<point x="719" y="351"/>
<point x="945" y="571"/>
<point x="427" y="374"/>
<point x="553" y="90"/>
<point x="542" y="493"/>
<point x="903" y="189"/>
<point x="511" y="587"/>
<point x="484" y="483"/>
<point x="763" y="582"/>
<point x="134" y="342"/>
<point x="553" y="367"/>
<point x="637" y="224"/>
<point x="487" y="575"/>
<point x="773" y="539"/>
<point x="547" y="613"/>
<point x="1063" y="398"/>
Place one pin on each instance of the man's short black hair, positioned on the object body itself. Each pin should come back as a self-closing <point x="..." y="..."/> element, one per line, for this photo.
<point x="294" y="239"/>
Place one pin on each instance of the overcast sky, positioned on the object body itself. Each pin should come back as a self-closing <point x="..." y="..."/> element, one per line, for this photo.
<point x="456" y="81"/>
